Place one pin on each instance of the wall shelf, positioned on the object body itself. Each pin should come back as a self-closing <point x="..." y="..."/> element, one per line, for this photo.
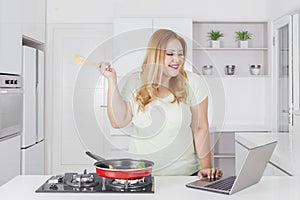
<point x="230" y="53"/>
<point x="230" y="49"/>
<point x="242" y="76"/>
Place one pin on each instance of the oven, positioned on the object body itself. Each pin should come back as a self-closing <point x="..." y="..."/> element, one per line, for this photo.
<point x="11" y="104"/>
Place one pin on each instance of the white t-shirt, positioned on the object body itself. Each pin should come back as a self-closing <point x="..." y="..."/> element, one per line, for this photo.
<point x="162" y="132"/>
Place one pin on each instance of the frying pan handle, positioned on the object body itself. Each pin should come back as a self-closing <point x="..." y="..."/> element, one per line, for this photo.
<point x="96" y="157"/>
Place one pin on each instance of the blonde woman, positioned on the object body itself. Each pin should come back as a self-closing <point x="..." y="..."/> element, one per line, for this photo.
<point x="168" y="108"/>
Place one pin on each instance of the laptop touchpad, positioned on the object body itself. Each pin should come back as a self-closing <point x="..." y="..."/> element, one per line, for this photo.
<point x="204" y="181"/>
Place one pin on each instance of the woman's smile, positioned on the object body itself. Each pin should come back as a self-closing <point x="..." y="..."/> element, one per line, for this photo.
<point x="174" y="66"/>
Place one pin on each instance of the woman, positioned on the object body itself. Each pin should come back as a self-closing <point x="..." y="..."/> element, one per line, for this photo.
<point x="168" y="108"/>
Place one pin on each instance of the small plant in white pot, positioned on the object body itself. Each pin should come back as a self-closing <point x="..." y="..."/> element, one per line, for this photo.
<point x="214" y="36"/>
<point x="243" y="37"/>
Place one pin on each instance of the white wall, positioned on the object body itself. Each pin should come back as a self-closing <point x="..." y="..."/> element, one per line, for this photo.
<point x="103" y="11"/>
<point x="278" y="8"/>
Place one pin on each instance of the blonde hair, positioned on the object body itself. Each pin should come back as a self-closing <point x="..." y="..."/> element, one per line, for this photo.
<point x="152" y="70"/>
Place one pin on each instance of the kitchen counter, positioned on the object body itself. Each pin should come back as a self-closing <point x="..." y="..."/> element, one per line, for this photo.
<point x="166" y="187"/>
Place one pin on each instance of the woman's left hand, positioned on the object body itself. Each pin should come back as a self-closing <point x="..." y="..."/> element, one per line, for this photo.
<point x="210" y="173"/>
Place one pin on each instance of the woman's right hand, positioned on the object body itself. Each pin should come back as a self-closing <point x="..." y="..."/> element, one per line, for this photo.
<point x="107" y="71"/>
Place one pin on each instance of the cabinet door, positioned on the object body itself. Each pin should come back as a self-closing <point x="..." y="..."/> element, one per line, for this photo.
<point x="10" y="156"/>
<point x="34" y="19"/>
<point x="183" y="27"/>
<point x="77" y="95"/>
<point x="10" y="37"/>
<point x="127" y="58"/>
<point x="130" y="41"/>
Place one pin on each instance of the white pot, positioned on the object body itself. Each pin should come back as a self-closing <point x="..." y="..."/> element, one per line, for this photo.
<point x="215" y="44"/>
<point x="243" y="44"/>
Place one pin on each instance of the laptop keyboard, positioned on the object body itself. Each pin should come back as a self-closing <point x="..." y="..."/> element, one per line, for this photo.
<point x="223" y="184"/>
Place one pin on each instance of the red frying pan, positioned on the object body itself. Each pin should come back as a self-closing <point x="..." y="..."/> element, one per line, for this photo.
<point x="121" y="168"/>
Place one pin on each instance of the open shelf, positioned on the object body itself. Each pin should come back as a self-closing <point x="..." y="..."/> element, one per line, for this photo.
<point x="229" y="52"/>
<point x="230" y="49"/>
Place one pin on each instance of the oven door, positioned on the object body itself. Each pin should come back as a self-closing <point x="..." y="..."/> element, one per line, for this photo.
<point x="11" y="106"/>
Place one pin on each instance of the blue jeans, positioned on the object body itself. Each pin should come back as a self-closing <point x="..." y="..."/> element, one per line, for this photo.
<point x="195" y="174"/>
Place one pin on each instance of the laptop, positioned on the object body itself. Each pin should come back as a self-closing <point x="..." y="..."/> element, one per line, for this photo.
<point x="250" y="173"/>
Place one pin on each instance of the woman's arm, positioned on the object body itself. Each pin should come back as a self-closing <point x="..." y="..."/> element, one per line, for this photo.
<point x="119" y="111"/>
<point x="200" y="130"/>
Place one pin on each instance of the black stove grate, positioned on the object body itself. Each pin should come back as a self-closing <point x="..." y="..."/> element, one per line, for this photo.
<point x="99" y="185"/>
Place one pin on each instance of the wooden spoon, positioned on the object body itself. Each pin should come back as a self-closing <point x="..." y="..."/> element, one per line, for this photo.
<point x="78" y="59"/>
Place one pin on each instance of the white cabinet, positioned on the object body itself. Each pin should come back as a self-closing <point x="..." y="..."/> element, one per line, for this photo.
<point x="183" y="27"/>
<point x="34" y="19"/>
<point x="129" y="56"/>
<point x="10" y="157"/>
<point x="74" y="114"/>
<point x="19" y="18"/>
<point x="10" y="36"/>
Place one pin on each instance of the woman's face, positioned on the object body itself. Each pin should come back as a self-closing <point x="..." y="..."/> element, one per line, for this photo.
<point x="174" y="58"/>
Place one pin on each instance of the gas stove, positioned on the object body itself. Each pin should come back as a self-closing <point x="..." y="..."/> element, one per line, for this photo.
<point x="92" y="183"/>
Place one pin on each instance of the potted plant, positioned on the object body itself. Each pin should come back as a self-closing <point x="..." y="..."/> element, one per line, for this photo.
<point x="214" y="36"/>
<point x="243" y="37"/>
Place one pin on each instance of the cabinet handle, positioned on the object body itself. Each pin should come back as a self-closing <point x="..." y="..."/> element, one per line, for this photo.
<point x="103" y="106"/>
<point x="285" y="111"/>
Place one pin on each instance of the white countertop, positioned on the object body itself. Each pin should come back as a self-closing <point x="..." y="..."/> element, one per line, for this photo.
<point x="166" y="187"/>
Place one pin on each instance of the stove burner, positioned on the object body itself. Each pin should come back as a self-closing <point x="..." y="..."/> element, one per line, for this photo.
<point x="82" y="180"/>
<point x="92" y="183"/>
<point x="128" y="184"/>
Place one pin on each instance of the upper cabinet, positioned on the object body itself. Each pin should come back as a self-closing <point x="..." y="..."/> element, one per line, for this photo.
<point x="128" y="56"/>
<point x="10" y="36"/>
<point x="19" y="19"/>
<point x="230" y="52"/>
<point x="34" y="20"/>
<point x="183" y="27"/>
